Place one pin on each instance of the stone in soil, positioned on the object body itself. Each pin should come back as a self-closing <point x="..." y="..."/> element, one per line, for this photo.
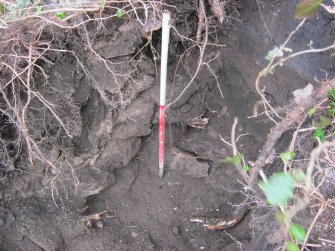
<point x="176" y="230"/>
<point x="190" y="167"/>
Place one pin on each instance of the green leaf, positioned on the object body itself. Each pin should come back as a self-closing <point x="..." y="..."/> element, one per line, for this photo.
<point x="246" y="168"/>
<point x="236" y="160"/>
<point x="331" y="95"/>
<point x="278" y="189"/>
<point x="311" y="111"/>
<point x="331" y="111"/>
<point x="273" y="53"/>
<point x="319" y="133"/>
<point x="299" y="176"/>
<point x="307" y="8"/>
<point x="120" y="13"/>
<point x="292" y="246"/>
<point x="21" y="4"/>
<point x="2" y="8"/>
<point x="323" y="122"/>
<point x="10" y="7"/>
<point x="61" y="15"/>
<point x="331" y="98"/>
<point x="286" y="157"/>
<point x="39" y="9"/>
<point x="297" y="232"/>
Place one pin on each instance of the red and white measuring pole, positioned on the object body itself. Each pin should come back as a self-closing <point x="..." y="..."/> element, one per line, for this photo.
<point x="164" y="59"/>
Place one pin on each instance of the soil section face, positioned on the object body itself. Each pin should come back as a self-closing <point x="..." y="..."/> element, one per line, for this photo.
<point x="108" y="195"/>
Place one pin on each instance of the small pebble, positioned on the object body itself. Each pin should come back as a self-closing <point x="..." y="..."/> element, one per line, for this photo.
<point x="176" y="230"/>
<point x="10" y="221"/>
<point x="99" y="224"/>
<point x="134" y="234"/>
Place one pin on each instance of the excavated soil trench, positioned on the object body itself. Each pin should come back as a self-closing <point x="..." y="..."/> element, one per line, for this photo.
<point x="113" y="165"/>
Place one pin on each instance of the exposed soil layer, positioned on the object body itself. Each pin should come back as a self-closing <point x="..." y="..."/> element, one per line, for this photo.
<point x="108" y="195"/>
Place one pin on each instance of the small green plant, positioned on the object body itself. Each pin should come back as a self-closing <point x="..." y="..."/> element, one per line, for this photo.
<point x="323" y="121"/>
<point x="246" y="168"/>
<point x="273" y="53"/>
<point x="331" y="100"/>
<point x="2" y="9"/>
<point x="292" y="246"/>
<point x="279" y="191"/>
<point x="38" y="9"/>
<point x="286" y="157"/>
<point x="311" y="111"/>
<point x="120" y="13"/>
<point x="21" y="4"/>
<point x="235" y="160"/>
<point x="14" y="9"/>
<point x="276" y="52"/>
<point x="319" y="134"/>
<point x="61" y="15"/>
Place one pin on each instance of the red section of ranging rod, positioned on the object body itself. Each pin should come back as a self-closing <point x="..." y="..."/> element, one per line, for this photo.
<point x="161" y="139"/>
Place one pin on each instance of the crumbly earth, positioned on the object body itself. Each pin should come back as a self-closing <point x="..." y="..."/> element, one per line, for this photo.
<point x="108" y="195"/>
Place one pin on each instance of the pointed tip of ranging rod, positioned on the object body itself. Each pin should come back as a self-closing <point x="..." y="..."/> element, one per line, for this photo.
<point x="161" y="173"/>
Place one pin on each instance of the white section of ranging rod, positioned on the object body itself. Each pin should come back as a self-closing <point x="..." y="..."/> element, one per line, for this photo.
<point x="164" y="60"/>
<point x="164" y="55"/>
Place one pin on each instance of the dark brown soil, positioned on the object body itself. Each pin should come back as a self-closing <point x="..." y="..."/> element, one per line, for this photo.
<point x="114" y="162"/>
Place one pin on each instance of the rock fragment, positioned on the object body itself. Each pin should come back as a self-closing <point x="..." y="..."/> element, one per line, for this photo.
<point x="191" y="167"/>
